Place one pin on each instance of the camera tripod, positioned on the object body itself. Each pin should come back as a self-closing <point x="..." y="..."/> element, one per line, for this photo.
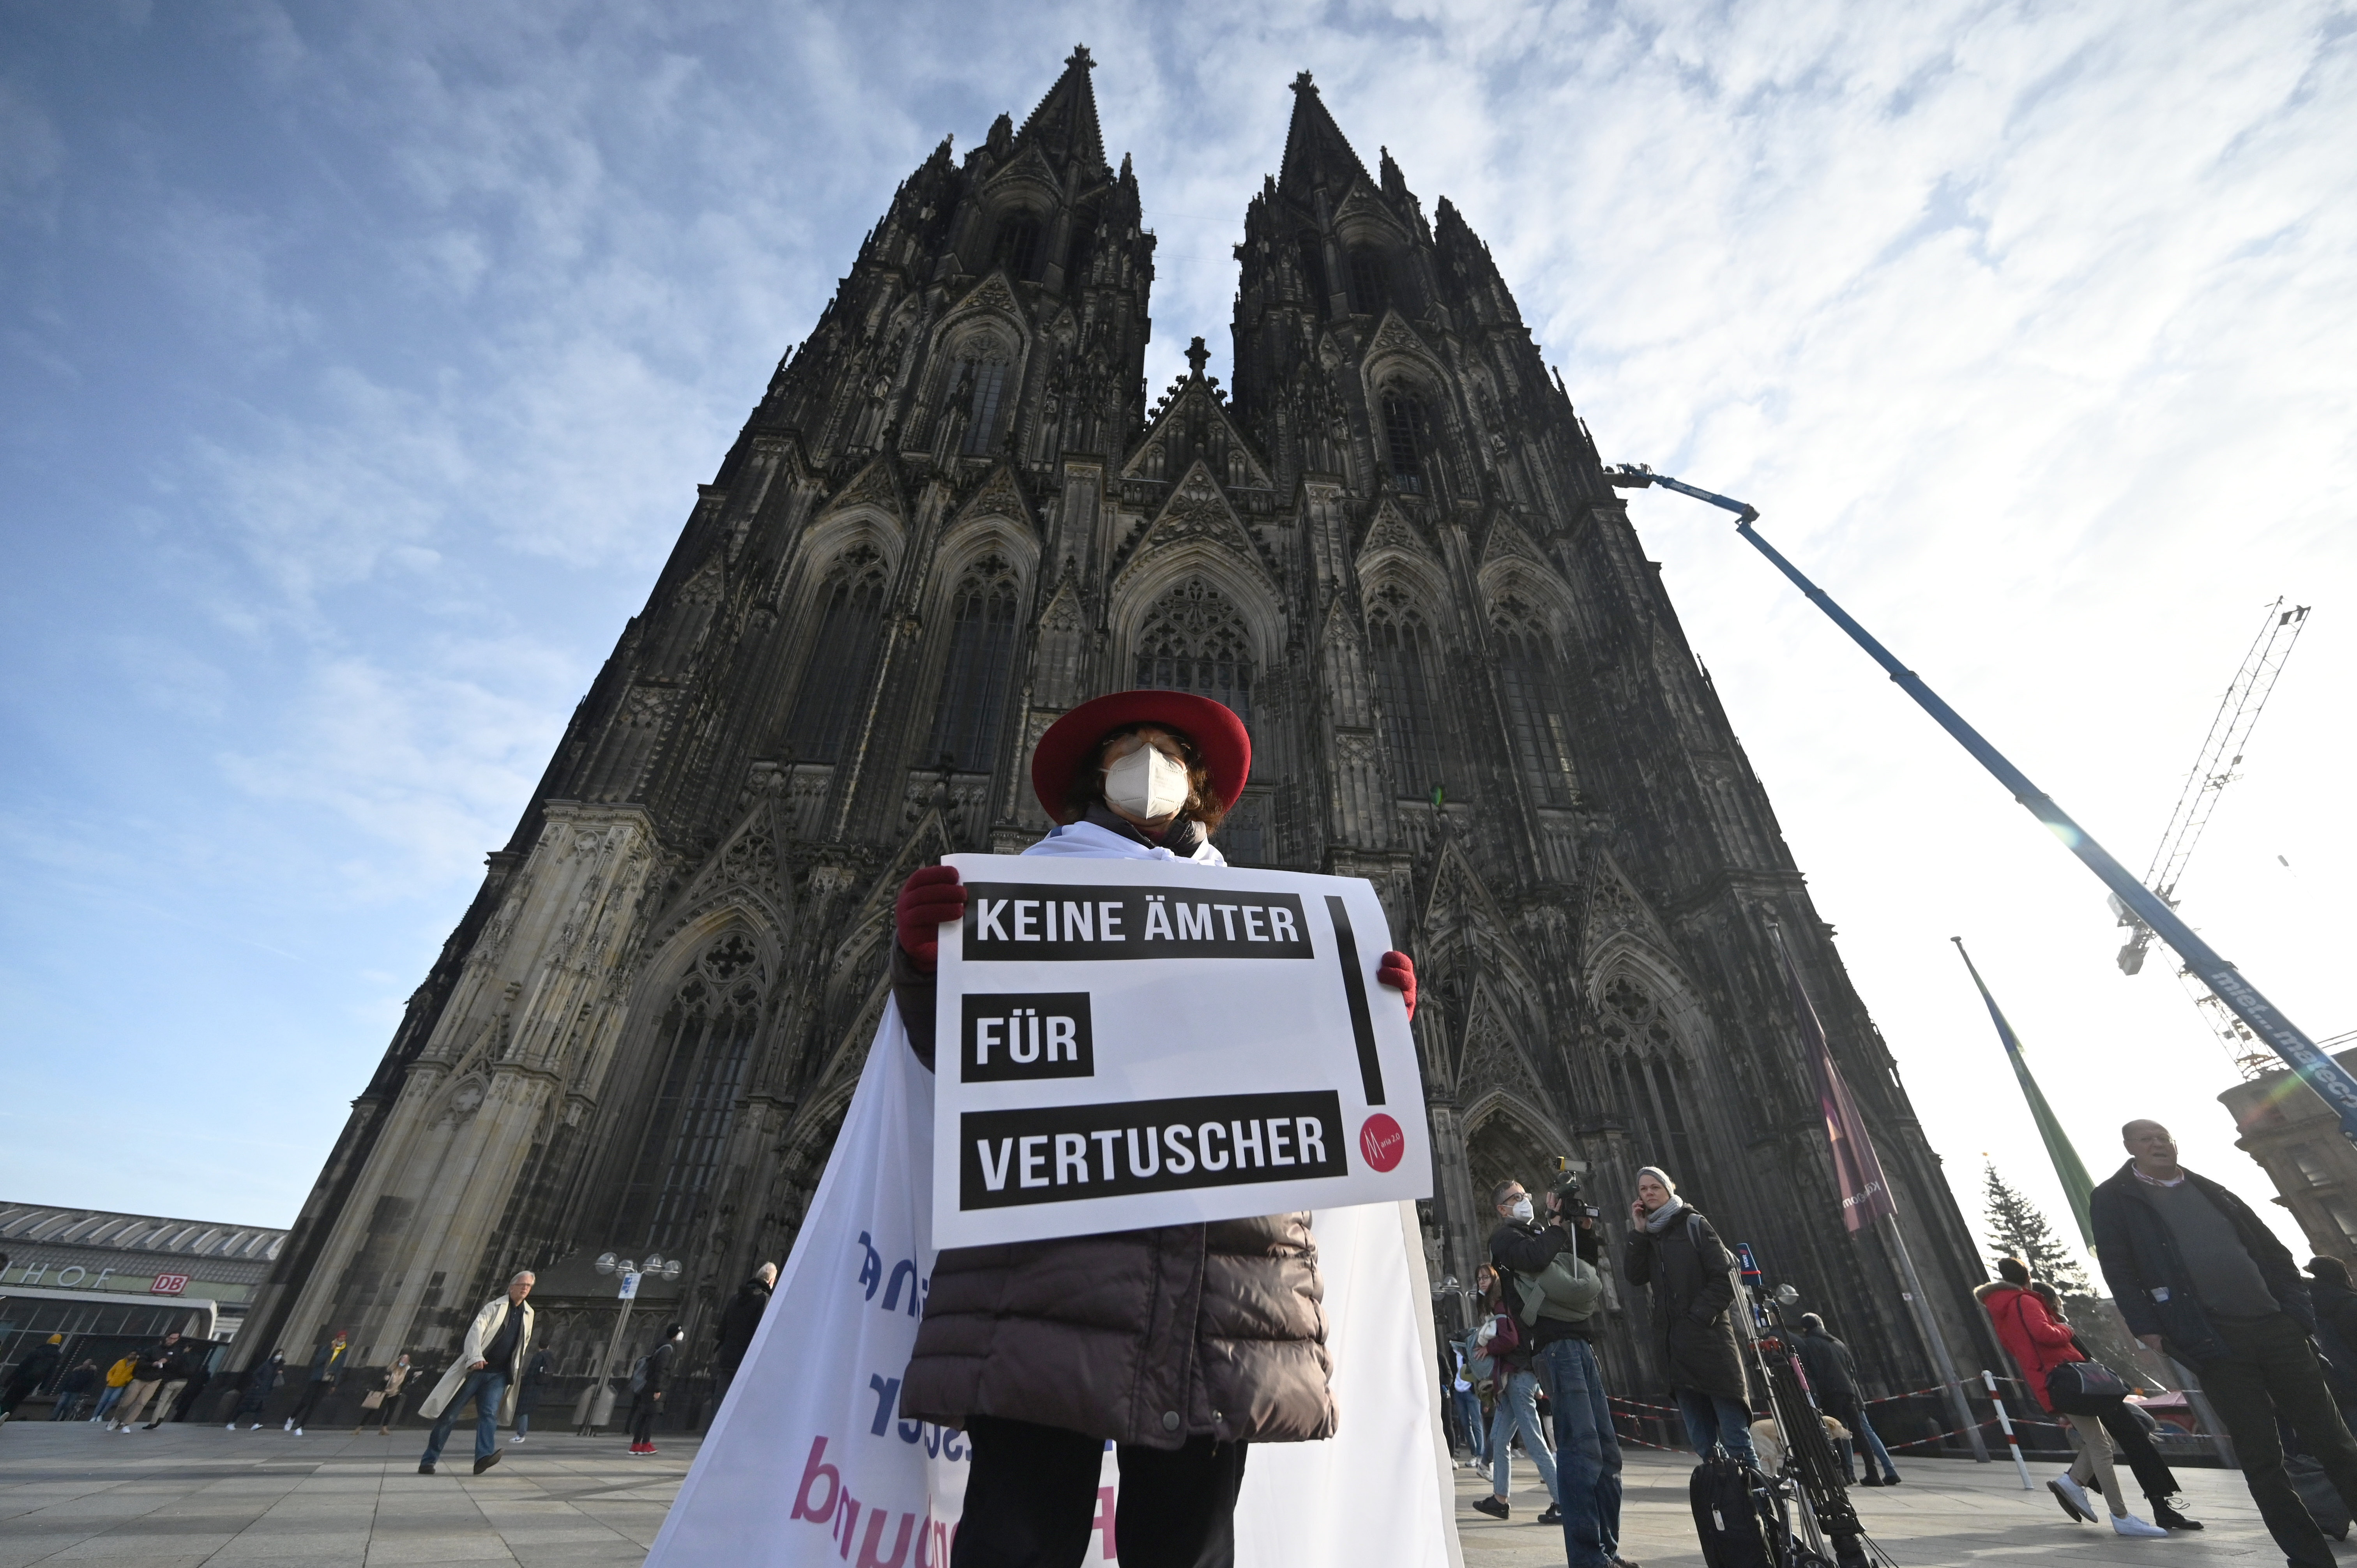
<point x="1810" y="1479"/>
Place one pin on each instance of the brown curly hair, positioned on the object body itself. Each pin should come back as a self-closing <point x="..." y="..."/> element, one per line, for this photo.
<point x="1087" y="787"/>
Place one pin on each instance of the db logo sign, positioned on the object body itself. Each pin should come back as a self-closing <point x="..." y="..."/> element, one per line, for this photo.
<point x="1382" y="1142"/>
<point x="168" y="1284"/>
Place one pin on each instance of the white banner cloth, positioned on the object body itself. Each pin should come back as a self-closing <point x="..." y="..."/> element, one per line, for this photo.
<point x="808" y="1462"/>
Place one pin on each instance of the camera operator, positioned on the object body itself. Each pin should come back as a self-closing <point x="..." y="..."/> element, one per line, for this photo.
<point x="1587" y="1451"/>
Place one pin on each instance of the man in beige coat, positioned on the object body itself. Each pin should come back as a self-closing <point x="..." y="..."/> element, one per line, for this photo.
<point x="496" y="1345"/>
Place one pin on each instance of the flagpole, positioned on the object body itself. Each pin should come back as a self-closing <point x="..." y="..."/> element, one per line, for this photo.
<point x="2077" y="1187"/>
<point x="1929" y="1328"/>
<point x="1860" y="1169"/>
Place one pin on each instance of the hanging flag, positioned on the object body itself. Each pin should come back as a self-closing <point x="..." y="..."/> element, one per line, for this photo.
<point x="1865" y="1196"/>
<point x="2067" y="1165"/>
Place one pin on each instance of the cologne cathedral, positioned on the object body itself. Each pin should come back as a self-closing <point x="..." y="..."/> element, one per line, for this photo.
<point x="957" y="511"/>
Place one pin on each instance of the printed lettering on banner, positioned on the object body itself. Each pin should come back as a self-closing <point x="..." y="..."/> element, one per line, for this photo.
<point x="1133" y="1043"/>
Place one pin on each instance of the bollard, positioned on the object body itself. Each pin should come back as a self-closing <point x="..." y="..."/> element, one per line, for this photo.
<point x="2004" y="1423"/>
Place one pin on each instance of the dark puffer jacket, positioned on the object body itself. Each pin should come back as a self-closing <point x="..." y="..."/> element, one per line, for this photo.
<point x="1686" y="1269"/>
<point x="1143" y="1337"/>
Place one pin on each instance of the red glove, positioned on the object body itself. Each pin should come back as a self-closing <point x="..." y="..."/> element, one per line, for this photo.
<point x="928" y="899"/>
<point x="1396" y="969"/>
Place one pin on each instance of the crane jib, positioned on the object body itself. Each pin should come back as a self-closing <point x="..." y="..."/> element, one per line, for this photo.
<point x="2330" y="1080"/>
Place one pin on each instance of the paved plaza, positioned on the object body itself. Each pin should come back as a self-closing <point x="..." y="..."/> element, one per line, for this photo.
<point x="181" y="1496"/>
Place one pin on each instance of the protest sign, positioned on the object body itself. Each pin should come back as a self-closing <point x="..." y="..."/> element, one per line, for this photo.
<point x="807" y="1462"/>
<point x="1131" y="1043"/>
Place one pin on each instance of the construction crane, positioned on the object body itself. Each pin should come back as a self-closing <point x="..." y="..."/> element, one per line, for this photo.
<point x="2221" y="754"/>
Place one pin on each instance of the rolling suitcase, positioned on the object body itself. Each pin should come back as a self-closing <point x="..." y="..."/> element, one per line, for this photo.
<point x="1734" y="1514"/>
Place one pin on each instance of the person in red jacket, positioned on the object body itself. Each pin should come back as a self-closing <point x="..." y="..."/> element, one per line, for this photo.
<point x="2038" y="1344"/>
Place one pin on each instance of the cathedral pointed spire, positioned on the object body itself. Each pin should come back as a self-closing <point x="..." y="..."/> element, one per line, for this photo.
<point x="1316" y="151"/>
<point x="1064" y="126"/>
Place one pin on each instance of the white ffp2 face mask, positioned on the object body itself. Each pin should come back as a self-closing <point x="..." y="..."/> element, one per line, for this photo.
<point x="1146" y="783"/>
<point x="1522" y="1209"/>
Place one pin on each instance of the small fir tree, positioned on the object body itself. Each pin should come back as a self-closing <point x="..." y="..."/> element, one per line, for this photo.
<point x="2021" y="1229"/>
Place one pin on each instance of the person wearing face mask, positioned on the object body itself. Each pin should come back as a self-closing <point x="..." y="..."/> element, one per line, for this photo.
<point x="1182" y="1345"/>
<point x="1673" y="1253"/>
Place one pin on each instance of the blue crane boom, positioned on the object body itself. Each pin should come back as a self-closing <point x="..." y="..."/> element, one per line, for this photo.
<point x="2328" y="1078"/>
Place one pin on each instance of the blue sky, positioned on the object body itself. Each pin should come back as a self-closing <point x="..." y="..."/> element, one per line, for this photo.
<point x="358" y="364"/>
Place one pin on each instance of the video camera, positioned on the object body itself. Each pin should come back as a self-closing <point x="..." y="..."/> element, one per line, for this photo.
<point x="1563" y="1186"/>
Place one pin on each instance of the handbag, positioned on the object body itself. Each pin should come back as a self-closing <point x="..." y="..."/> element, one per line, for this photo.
<point x="2077" y="1388"/>
<point x="375" y="1401"/>
<point x="2085" y="1388"/>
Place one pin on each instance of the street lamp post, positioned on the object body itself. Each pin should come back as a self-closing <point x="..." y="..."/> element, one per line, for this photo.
<point x="601" y="1398"/>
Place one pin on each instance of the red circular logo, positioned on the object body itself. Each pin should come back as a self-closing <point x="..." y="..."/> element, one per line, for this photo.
<point x="1380" y="1140"/>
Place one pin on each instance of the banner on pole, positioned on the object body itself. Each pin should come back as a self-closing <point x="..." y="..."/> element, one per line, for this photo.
<point x="1124" y="1044"/>
<point x="1857" y="1170"/>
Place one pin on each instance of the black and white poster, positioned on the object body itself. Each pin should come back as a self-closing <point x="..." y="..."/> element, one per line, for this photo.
<point x="1130" y="1043"/>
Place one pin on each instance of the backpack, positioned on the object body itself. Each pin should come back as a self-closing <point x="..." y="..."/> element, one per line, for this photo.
<point x="639" y="1376"/>
<point x="1739" y="1516"/>
<point x="1566" y="1290"/>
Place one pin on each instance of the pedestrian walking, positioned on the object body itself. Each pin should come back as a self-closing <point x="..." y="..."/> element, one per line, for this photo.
<point x="387" y="1398"/>
<point x="2335" y="1304"/>
<point x="498" y="1340"/>
<point x="538" y="1373"/>
<point x="327" y="1367"/>
<point x="1190" y="1343"/>
<point x="1465" y="1400"/>
<point x="183" y="1367"/>
<point x="2131" y="1435"/>
<point x="2197" y="1276"/>
<point x="73" y="1387"/>
<point x="647" y="1388"/>
<point x="118" y="1379"/>
<point x="738" y="1320"/>
<point x="1513" y="1346"/>
<point x="1676" y="1254"/>
<point x="2038" y="1344"/>
<point x="155" y="1365"/>
<point x="260" y="1380"/>
<point x="1832" y="1378"/>
<point x="30" y="1373"/>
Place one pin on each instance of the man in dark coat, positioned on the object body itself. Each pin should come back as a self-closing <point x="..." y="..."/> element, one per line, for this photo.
<point x="652" y="1374"/>
<point x="2335" y="1303"/>
<point x="71" y="1388"/>
<point x="1833" y="1378"/>
<point x="31" y="1372"/>
<point x="260" y="1379"/>
<point x="1673" y="1251"/>
<point x="738" y="1320"/>
<point x="327" y="1367"/>
<point x="2196" y="1275"/>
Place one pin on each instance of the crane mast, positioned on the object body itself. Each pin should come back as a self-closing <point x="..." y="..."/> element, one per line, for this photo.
<point x="2221" y="754"/>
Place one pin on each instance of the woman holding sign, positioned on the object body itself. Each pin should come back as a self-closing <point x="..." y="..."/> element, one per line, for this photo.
<point x="1183" y="1344"/>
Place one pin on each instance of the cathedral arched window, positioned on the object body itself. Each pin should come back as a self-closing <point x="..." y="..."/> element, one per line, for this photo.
<point x="1312" y="250"/>
<point x="1018" y="246"/>
<point x="1082" y="252"/>
<point x="701" y="1052"/>
<point x="1194" y="641"/>
<point x="1533" y="679"/>
<point x="1405" y="440"/>
<point x="1406" y="665"/>
<point x="979" y="670"/>
<point x="1648" y="1068"/>
<point x="842" y="656"/>
<point x="982" y="381"/>
<point x="1370" y="283"/>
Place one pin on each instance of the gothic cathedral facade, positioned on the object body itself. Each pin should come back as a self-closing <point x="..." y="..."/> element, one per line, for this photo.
<point x="954" y="514"/>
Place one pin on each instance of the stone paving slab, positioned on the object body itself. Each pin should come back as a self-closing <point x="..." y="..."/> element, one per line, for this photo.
<point x="268" y="1499"/>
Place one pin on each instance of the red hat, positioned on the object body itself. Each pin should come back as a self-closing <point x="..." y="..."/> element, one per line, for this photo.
<point x="1218" y="736"/>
